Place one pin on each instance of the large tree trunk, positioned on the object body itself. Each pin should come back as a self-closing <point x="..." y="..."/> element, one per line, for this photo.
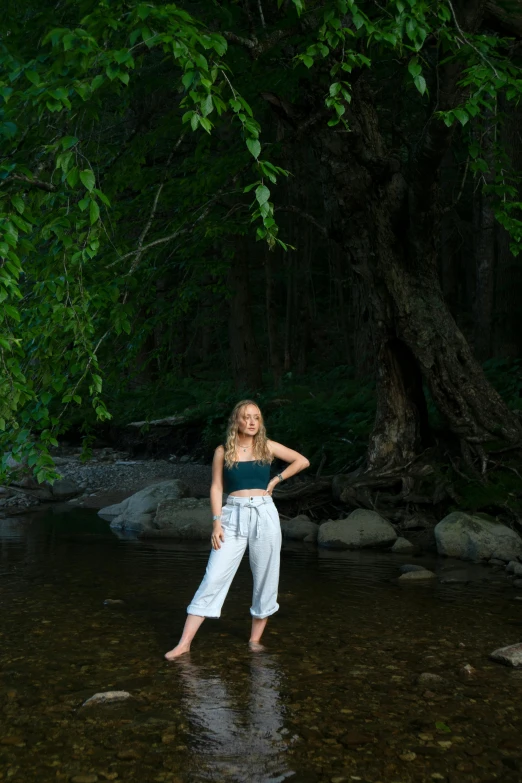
<point x="387" y="220"/>
<point x="484" y="234"/>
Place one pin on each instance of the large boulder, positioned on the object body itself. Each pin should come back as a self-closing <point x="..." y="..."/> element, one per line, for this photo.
<point x="360" y="529"/>
<point x="474" y="538"/>
<point x="298" y="528"/>
<point x="184" y="518"/>
<point x="146" y="500"/>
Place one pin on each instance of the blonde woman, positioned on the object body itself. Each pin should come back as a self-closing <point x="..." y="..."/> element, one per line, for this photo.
<point x="242" y="469"/>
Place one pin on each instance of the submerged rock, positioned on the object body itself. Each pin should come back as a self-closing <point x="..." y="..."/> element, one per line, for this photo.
<point x="360" y="529"/>
<point x="473" y="538"/>
<point x="510" y="656"/>
<point x="299" y="528"/>
<point x="108" y="697"/>
<point x="417" y="576"/>
<point x="409" y="567"/>
<point x="430" y="681"/>
<point x="402" y="546"/>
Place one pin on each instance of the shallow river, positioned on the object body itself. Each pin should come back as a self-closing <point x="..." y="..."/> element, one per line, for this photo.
<point x="333" y="698"/>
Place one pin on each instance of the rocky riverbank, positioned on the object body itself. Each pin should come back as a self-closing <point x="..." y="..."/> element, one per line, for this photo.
<point x="109" y="477"/>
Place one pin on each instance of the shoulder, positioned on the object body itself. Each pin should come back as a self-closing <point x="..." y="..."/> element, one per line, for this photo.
<point x="219" y="453"/>
<point x="273" y="447"/>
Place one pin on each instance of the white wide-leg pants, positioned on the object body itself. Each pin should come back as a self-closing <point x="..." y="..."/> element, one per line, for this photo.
<point x="253" y="521"/>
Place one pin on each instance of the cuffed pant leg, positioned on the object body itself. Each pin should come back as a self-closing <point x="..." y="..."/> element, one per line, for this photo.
<point x="221" y="569"/>
<point x="265" y="555"/>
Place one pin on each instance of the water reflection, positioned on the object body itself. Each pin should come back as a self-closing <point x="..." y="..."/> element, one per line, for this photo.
<point x="237" y="720"/>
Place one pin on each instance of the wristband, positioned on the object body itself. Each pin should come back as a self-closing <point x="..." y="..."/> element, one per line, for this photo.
<point x="279" y="476"/>
<point x="216" y="516"/>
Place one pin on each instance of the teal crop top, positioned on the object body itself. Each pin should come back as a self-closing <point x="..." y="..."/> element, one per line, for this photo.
<point x="246" y="475"/>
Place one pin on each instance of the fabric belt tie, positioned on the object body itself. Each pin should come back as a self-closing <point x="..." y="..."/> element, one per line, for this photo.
<point x="242" y="522"/>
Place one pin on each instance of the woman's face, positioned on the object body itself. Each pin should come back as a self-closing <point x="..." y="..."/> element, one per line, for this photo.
<point x="249" y="420"/>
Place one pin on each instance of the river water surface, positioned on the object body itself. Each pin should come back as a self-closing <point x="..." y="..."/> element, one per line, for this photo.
<point x="335" y="696"/>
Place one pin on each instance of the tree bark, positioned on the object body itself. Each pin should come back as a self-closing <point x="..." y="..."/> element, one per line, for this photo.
<point x="484" y="235"/>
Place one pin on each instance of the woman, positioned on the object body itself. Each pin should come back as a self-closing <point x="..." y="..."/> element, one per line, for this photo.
<point x="242" y="468"/>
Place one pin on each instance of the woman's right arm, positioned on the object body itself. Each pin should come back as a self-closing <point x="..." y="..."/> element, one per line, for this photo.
<point x="216" y="495"/>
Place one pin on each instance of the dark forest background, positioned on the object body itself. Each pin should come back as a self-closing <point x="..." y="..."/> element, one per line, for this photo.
<point x="390" y="327"/>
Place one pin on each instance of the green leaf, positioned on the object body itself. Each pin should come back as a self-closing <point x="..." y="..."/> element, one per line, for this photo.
<point x="307" y="60"/>
<point x="18" y="203"/>
<point x="207" y="106"/>
<point x="442" y="727"/>
<point x="254" y="146"/>
<point x="262" y="194"/>
<point x="88" y="179"/>
<point x="11" y="312"/>
<point x="33" y="77"/>
<point x="414" y="67"/>
<point x="187" y="79"/>
<point x="68" y="141"/>
<point x="94" y="212"/>
<point x="72" y="177"/>
<point x="194" y="121"/>
<point x="461" y="115"/>
<point x="420" y="84"/>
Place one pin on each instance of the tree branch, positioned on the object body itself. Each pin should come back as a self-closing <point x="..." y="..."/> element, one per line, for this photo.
<point x="36" y="183"/>
<point x="257" y="48"/>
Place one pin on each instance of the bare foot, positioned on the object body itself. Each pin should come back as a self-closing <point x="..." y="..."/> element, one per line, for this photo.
<point x="256" y="646"/>
<point x="180" y="649"/>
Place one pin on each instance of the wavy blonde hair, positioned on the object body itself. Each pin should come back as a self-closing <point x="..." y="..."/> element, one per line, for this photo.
<point x="260" y="451"/>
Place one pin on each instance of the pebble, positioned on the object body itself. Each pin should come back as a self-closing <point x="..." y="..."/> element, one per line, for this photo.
<point x="355" y="738"/>
<point x="408" y="756"/>
<point x="106" y="698"/>
<point x="408" y="567"/>
<point x="89" y="778"/>
<point x="127" y="754"/>
<point x="431" y="681"/>
<point x="113" y="602"/>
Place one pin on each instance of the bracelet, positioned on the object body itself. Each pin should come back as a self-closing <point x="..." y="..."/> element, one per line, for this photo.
<point x="216" y="516"/>
<point x="279" y="476"/>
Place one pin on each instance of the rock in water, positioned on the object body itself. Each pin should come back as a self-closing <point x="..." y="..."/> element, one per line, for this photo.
<point x="299" y="528"/>
<point x="145" y="501"/>
<point x="417" y="576"/>
<point x="108" y="697"/>
<point x="187" y="518"/>
<point x="473" y="538"/>
<point x="64" y="489"/>
<point x="360" y="529"/>
<point x="402" y="546"/>
<point x="510" y="656"/>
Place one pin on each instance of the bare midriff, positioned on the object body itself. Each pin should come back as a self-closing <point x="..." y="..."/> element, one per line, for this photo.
<point x="248" y="493"/>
